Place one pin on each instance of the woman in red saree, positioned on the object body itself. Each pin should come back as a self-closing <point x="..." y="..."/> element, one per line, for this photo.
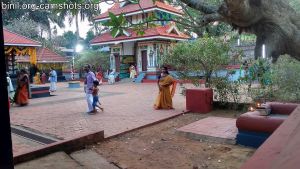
<point x="99" y="74"/>
<point x="22" y="93"/>
<point x="167" y="87"/>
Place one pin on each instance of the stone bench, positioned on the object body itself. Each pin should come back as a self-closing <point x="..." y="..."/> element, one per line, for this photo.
<point x="39" y="91"/>
<point x="282" y="149"/>
<point x="254" y="129"/>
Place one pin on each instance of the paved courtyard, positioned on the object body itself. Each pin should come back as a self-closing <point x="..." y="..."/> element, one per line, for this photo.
<point x="63" y="116"/>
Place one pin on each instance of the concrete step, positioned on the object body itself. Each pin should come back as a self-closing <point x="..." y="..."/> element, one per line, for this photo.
<point x="92" y="160"/>
<point x="140" y="77"/>
<point x="59" y="160"/>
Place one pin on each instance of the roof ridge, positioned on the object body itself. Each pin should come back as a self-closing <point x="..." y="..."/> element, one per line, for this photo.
<point x="21" y="35"/>
<point x="132" y="8"/>
<point x="43" y="50"/>
<point x="53" y="52"/>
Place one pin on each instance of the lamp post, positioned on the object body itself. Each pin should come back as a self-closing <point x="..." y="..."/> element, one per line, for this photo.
<point x="78" y="49"/>
<point x="72" y="68"/>
<point x="263" y="51"/>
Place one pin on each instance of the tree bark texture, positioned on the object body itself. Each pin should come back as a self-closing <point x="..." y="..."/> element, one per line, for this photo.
<point x="274" y="22"/>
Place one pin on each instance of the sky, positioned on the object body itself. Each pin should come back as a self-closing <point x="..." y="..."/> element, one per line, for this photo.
<point x="84" y="26"/>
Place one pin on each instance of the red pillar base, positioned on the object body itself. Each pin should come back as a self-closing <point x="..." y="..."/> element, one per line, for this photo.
<point x="199" y="100"/>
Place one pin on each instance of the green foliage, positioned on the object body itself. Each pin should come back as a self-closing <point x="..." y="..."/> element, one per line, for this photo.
<point x="59" y="41"/>
<point x="226" y="91"/>
<point x="258" y="79"/>
<point x="202" y="57"/>
<point x="286" y="79"/>
<point x="94" y="58"/>
<point x="295" y="4"/>
<point x="258" y="70"/>
<point x="42" y="17"/>
<point x="89" y="36"/>
<point x="190" y="22"/>
<point x="51" y="44"/>
<point x="25" y="27"/>
<point x="279" y="81"/>
<point x="117" y="24"/>
<point x="71" y="39"/>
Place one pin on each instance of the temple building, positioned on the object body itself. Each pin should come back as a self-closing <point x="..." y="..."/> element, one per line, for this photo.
<point x="17" y="46"/>
<point x="46" y="59"/>
<point x="143" y="51"/>
<point x="23" y="52"/>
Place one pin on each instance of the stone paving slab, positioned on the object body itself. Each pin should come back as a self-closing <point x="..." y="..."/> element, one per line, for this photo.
<point x="214" y="129"/>
<point x="63" y="116"/>
<point x="59" y="160"/>
<point x="92" y="160"/>
<point x="21" y="144"/>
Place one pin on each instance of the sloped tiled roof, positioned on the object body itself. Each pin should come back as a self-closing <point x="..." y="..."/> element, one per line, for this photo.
<point x="131" y="8"/>
<point x="159" y="32"/>
<point x="14" y="39"/>
<point x="45" y="55"/>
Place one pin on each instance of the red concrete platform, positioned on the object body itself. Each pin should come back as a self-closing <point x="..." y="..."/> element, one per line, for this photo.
<point x="213" y="129"/>
<point x="282" y="149"/>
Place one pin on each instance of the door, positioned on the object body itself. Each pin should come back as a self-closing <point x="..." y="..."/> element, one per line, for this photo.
<point x="144" y="60"/>
<point x="117" y="61"/>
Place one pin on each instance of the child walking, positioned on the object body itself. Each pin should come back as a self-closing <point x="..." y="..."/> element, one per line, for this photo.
<point x="95" y="93"/>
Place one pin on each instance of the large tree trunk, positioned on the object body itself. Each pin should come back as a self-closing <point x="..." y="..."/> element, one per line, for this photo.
<point x="274" y="23"/>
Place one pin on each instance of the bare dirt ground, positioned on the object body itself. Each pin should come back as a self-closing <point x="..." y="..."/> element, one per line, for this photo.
<point x="160" y="147"/>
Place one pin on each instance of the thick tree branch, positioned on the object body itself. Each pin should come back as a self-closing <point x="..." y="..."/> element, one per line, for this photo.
<point x="201" y="6"/>
<point x="186" y="11"/>
<point x="210" y="18"/>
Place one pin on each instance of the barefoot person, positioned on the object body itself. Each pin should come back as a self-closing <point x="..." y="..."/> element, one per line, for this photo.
<point x="88" y="87"/>
<point x="53" y="80"/>
<point x="95" y="92"/>
<point x="166" y="85"/>
<point x="22" y="92"/>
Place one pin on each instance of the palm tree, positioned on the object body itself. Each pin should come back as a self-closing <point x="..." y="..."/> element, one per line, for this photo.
<point x="45" y="18"/>
<point x="76" y="13"/>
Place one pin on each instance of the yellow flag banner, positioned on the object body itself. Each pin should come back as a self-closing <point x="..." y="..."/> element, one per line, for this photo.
<point x="33" y="59"/>
<point x="20" y="51"/>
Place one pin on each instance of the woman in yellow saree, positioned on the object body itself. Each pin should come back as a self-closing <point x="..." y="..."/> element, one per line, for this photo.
<point x="167" y="87"/>
<point x="37" y="78"/>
